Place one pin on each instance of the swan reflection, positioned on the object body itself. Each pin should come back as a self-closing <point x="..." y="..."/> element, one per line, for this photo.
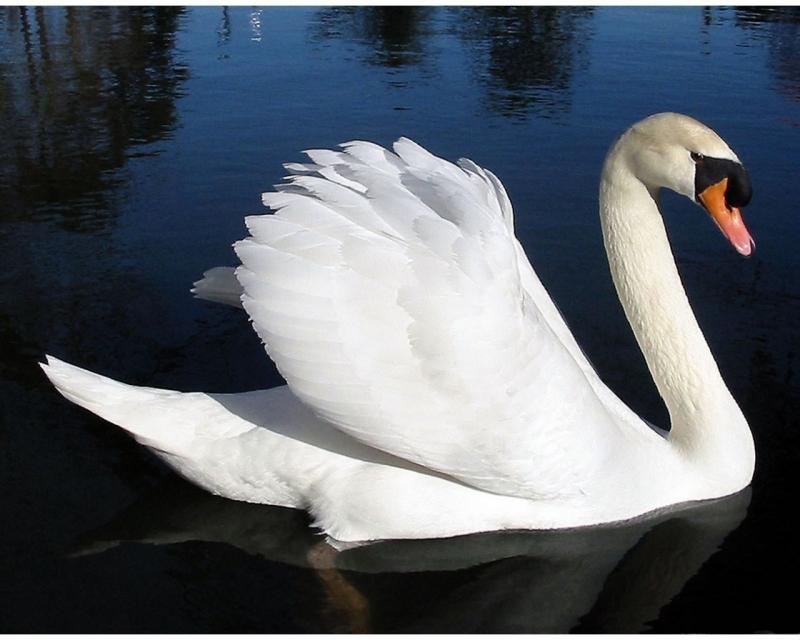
<point x="604" y="579"/>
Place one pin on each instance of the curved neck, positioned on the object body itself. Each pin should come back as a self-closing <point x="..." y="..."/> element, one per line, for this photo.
<point x="705" y="419"/>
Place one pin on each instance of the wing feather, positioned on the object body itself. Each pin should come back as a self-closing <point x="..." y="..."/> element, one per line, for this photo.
<point x="389" y="290"/>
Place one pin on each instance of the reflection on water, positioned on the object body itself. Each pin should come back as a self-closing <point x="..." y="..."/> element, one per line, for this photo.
<point x="79" y="87"/>
<point x="392" y="36"/>
<point x="82" y="90"/>
<point x="527" y="55"/>
<point x="606" y="579"/>
<point x="224" y="28"/>
<point x="779" y="27"/>
<point x="524" y="57"/>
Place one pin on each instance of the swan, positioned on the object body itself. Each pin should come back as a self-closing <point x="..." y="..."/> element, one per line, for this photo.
<point x="433" y="387"/>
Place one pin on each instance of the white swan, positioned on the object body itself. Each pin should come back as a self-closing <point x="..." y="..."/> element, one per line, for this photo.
<point x="433" y="387"/>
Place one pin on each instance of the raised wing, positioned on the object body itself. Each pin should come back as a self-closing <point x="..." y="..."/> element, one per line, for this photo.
<point x="387" y="289"/>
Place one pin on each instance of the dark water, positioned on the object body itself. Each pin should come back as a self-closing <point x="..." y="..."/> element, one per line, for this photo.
<point x="133" y="142"/>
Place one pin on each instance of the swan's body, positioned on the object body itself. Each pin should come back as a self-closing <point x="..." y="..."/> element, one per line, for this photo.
<point x="433" y="387"/>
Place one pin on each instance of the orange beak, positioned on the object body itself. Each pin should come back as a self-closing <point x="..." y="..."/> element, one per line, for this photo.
<point x="728" y="219"/>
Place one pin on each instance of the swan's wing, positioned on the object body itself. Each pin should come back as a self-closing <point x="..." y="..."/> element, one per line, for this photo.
<point x="387" y="289"/>
<point x="627" y="420"/>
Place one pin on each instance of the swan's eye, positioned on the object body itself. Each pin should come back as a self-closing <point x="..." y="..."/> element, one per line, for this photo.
<point x="697" y="157"/>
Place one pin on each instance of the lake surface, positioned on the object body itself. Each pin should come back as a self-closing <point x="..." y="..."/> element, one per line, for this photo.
<point x="134" y="141"/>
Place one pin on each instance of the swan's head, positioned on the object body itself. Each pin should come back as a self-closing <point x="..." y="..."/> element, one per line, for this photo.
<point x="677" y="152"/>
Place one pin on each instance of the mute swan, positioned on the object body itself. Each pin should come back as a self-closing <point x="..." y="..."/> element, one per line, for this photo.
<point x="433" y="387"/>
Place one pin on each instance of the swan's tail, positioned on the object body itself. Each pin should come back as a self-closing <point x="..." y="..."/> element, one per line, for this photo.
<point x="208" y="439"/>
<point x="157" y="418"/>
<point x="219" y="285"/>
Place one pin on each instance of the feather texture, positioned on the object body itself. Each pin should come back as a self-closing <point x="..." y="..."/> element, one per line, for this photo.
<point x="387" y="288"/>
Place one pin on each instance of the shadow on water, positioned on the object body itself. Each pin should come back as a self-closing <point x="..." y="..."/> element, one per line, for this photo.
<point x="80" y="88"/>
<point x="604" y="579"/>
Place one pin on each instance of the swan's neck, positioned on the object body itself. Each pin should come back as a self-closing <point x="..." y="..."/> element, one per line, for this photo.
<point x="706" y="423"/>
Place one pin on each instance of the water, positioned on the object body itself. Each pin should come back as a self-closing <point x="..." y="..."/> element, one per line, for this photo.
<point x="133" y="142"/>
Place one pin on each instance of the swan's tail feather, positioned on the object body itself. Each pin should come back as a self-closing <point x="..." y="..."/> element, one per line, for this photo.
<point x="219" y="285"/>
<point x="144" y="412"/>
<point x="194" y="433"/>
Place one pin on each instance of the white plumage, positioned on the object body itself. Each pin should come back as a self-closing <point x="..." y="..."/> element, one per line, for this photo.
<point x="433" y="387"/>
